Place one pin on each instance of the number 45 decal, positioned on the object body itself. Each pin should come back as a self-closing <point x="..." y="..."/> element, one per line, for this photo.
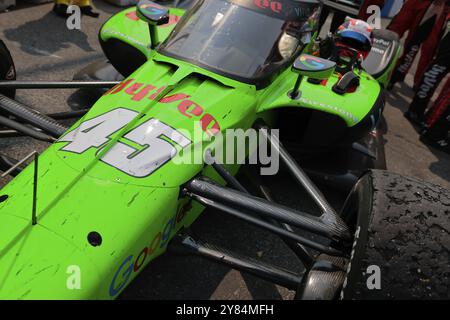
<point x="153" y="142"/>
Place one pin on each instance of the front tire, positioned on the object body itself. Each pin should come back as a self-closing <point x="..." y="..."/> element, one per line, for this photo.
<point x="402" y="226"/>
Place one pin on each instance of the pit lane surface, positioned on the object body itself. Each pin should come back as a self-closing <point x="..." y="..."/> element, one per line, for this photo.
<point x="43" y="48"/>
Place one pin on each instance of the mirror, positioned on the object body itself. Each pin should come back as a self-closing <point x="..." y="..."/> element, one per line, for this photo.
<point x="313" y="67"/>
<point x="153" y="14"/>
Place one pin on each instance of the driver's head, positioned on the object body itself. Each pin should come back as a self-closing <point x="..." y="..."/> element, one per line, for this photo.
<point x="356" y="34"/>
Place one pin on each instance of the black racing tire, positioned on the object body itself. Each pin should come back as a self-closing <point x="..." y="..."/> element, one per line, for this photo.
<point x="403" y="227"/>
<point x="7" y="69"/>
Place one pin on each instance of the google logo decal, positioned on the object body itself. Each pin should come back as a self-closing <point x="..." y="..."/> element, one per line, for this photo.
<point x="312" y="62"/>
<point x="132" y="265"/>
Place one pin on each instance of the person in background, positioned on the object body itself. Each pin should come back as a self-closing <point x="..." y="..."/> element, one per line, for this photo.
<point x="420" y="18"/>
<point x="434" y="44"/>
<point x="436" y="119"/>
<point x="437" y="123"/>
<point x="432" y="76"/>
<point x="339" y="16"/>
<point x="60" y="7"/>
<point x="363" y="11"/>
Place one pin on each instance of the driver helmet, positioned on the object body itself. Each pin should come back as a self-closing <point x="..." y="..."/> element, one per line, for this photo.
<point x="356" y="33"/>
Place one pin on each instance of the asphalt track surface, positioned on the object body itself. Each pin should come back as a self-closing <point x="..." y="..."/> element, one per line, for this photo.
<point x="43" y="48"/>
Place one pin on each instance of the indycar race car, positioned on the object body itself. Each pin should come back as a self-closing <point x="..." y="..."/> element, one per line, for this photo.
<point x="123" y="184"/>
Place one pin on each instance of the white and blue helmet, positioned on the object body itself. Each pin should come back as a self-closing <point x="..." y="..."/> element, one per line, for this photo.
<point x="356" y="30"/>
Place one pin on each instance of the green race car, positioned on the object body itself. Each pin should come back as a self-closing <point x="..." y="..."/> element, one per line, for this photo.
<point x="124" y="183"/>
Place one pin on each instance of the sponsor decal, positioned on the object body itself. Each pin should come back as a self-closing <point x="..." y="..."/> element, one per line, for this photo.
<point x="186" y="107"/>
<point x="409" y="59"/>
<point x="312" y="62"/>
<point x="430" y="80"/>
<point x="152" y="8"/>
<point x="133" y="263"/>
<point x="381" y="42"/>
<point x="111" y="33"/>
<point x="378" y="50"/>
<point x="274" y="6"/>
<point x="341" y="111"/>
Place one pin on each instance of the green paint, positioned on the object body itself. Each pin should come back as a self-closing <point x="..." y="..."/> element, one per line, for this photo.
<point x="79" y="193"/>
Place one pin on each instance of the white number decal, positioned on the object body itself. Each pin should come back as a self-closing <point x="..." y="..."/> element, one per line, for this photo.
<point x="94" y="133"/>
<point x="156" y="151"/>
<point x="156" y="142"/>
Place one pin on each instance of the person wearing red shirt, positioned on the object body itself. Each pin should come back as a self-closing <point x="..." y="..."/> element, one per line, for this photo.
<point x="363" y="11"/>
<point x="437" y="133"/>
<point x="435" y="72"/>
<point x="420" y="18"/>
<point x="339" y="17"/>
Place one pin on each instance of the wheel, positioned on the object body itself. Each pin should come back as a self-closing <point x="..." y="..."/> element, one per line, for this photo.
<point x="7" y="69"/>
<point x="401" y="248"/>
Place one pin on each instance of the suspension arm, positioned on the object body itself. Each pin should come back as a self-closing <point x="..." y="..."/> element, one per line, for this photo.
<point x="57" y="84"/>
<point x="329" y="215"/>
<point x="265" y="225"/>
<point x="184" y="244"/>
<point x="209" y="190"/>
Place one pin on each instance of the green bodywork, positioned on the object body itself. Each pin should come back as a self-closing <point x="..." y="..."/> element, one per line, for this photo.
<point x="385" y="78"/>
<point x="78" y="193"/>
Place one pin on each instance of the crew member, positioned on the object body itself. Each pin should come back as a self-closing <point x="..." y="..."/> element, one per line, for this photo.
<point x="339" y="16"/>
<point x="363" y="11"/>
<point x="60" y="7"/>
<point x="419" y="17"/>
<point x="433" y="44"/>
<point x="438" y="122"/>
<point x="433" y="75"/>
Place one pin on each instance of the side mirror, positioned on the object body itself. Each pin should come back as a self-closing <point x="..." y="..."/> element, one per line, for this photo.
<point x="153" y="14"/>
<point x="312" y="67"/>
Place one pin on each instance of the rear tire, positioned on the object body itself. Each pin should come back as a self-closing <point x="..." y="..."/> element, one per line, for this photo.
<point x="403" y="227"/>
